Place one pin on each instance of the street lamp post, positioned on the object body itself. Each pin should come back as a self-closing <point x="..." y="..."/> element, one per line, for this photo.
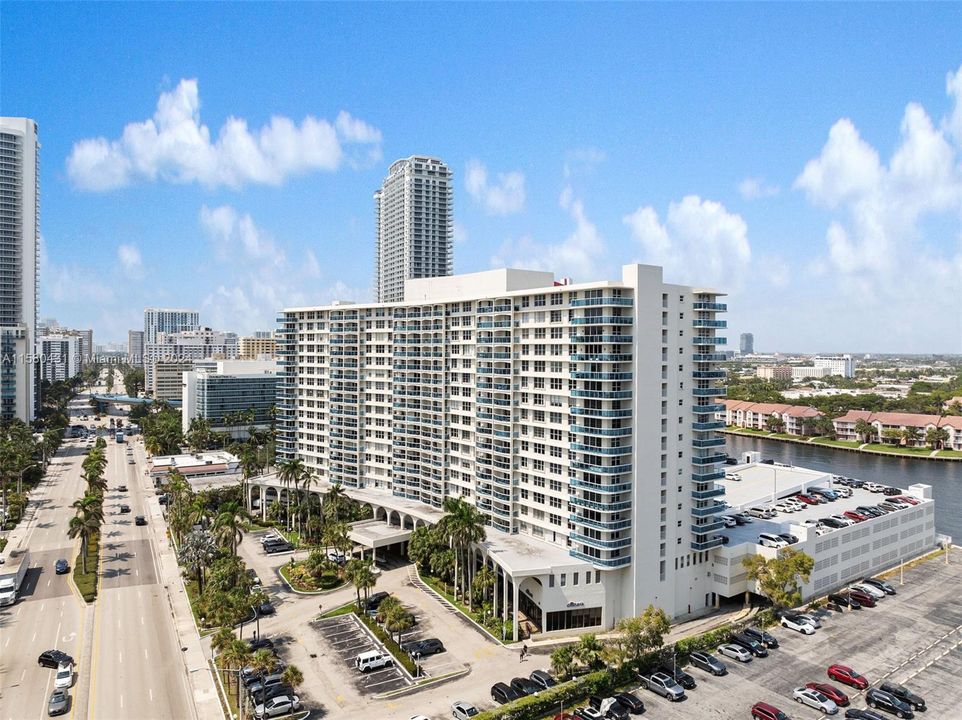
<point x="20" y="479"/>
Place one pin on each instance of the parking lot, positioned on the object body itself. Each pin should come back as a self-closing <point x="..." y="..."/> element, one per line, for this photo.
<point x="913" y="638"/>
<point x="347" y="639"/>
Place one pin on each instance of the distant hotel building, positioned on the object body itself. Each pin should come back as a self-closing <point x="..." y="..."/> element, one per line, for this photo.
<point x="167" y="320"/>
<point x="19" y="243"/>
<point x="187" y="345"/>
<point x="230" y="387"/>
<point x="746" y="344"/>
<point x="774" y="372"/>
<point x="579" y="419"/>
<point x="843" y="365"/>
<point x="415" y="225"/>
<point x="257" y="345"/>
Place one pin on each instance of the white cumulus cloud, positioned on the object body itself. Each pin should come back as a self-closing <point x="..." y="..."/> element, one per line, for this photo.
<point x="129" y="257"/>
<point x="175" y="146"/>
<point x="699" y="242"/>
<point x="504" y="197"/>
<point x="754" y="188"/>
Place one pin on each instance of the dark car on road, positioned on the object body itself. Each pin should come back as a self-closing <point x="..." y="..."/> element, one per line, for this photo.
<point x="375" y="600"/>
<point x="121" y="488"/>
<point x="276" y="547"/>
<point x="59" y="703"/>
<point x="140" y="520"/>
<point x="679" y="676"/>
<point x="765" y="638"/>
<point x="502" y="693"/>
<point x="631" y="702"/>
<point x="903" y="693"/>
<point x="62" y="567"/>
<point x="54" y="658"/>
<point x="525" y="686"/>
<point x="708" y="663"/>
<point x="265" y="608"/>
<point x="881" y="700"/>
<point x="430" y="646"/>
<point x="125" y="508"/>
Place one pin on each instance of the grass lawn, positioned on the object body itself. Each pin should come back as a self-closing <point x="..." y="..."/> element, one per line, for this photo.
<point x="401" y="657"/>
<point x="746" y="431"/>
<point x="87" y="582"/>
<point x="898" y="449"/>
<point x="950" y="453"/>
<point x="327" y="582"/>
<point x="342" y="610"/>
<point x="836" y="443"/>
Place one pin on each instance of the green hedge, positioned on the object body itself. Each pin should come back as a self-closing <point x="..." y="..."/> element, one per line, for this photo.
<point x="392" y="647"/>
<point x="87" y="582"/>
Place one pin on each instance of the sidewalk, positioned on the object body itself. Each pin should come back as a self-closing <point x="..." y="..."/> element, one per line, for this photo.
<point x="206" y="702"/>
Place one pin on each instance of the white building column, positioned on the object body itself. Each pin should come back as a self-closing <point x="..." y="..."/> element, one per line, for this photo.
<point x="514" y="613"/>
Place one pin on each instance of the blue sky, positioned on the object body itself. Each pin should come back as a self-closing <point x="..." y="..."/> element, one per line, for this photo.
<point x="805" y="158"/>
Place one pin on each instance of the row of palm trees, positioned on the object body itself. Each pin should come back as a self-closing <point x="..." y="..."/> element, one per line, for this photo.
<point x="89" y="510"/>
<point x="233" y="655"/>
<point x="935" y="437"/>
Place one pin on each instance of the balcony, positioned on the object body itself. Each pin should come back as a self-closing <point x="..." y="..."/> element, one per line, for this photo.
<point x="601" y="375"/>
<point x="706" y="409"/>
<point x="716" y="491"/>
<point x="599" y="524"/>
<point x="704" y="529"/>
<point x="708" y="544"/>
<point x="600" y="544"/>
<point x="597" y="412"/>
<point x="584" y="302"/>
<point x="494" y="355"/>
<point x="593" y="449"/>
<point x="600" y="338"/>
<point x="709" y="392"/>
<point x="601" y="469"/>
<point x="595" y="487"/>
<point x="602" y="320"/>
<point x="709" y="357"/>
<point x="602" y="357"/>
<point x="713" y="509"/>
<point x="602" y="394"/>
<point x="610" y="562"/>
<point x="495" y="309"/>
<point x="704" y="323"/>
<point x="602" y="507"/>
<point x="708" y="476"/>
<point x="708" y="459"/>
<point x="716" y="307"/>
<point x="604" y="432"/>
<point x="708" y="443"/>
<point x="709" y="340"/>
<point x="709" y="374"/>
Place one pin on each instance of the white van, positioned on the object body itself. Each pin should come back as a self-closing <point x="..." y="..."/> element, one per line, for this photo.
<point x="372" y="660"/>
<point x="771" y="541"/>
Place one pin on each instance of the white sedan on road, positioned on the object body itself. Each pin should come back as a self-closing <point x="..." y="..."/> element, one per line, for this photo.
<point x="735" y="652"/>
<point x="815" y="699"/>
<point x="64" y="677"/>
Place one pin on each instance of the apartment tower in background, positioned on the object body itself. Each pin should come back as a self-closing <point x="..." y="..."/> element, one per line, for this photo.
<point x="135" y="347"/>
<point x="166" y="320"/>
<point x="415" y="225"/>
<point x="746" y="344"/>
<point x="19" y="240"/>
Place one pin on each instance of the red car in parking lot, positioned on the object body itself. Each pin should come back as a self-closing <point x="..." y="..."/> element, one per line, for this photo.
<point x="764" y="711"/>
<point x="863" y="599"/>
<point x="851" y="515"/>
<point x="829" y="691"/>
<point x="847" y="676"/>
<point x="807" y="499"/>
<point x="906" y="498"/>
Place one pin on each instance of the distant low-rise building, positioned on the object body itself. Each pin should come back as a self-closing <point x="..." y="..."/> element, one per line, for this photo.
<point x="742" y="413"/>
<point x="205" y="464"/>
<point x="882" y="421"/>
<point x="777" y="373"/>
<point x="802" y="372"/>
<point x="843" y="365"/>
<point x="188" y="345"/>
<point x="258" y="345"/>
<point x="167" y="379"/>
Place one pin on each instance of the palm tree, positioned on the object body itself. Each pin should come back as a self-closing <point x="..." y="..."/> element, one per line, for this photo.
<point x="562" y="660"/>
<point x="335" y="536"/>
<point x="197" y="552"/>
<point x="588" y="650"/>
<point x="307" y="480"/>
<point x="289" y="472"/>
<point x="358" y="573"/>
<point x="864" y="429"/>
<point x="263" y="661"/>
<point x="85" y="526"/>
<point x="484" y="579"/>
<point x="463" y="525"/>
<point x="92" y="505"/>
<point x="234" y="656"/>
<point x="936" y="437"/>
<point x="292" y="676"/>
<point x="334" y="501"/>
<point x="911" y="435"/>
<point x="222" y="639"/>
<point x="397" y="620"/>
<point x="229" y="525"/>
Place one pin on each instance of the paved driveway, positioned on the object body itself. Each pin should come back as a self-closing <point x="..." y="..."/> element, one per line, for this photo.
<point x="347" y="639"/>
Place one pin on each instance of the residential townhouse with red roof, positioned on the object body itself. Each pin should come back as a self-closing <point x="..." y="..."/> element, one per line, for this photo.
<point x="743" y="413"/>
<point x="845" y="425"/>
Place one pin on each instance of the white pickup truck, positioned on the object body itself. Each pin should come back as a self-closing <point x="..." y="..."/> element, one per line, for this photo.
<point x="12" y="574"/>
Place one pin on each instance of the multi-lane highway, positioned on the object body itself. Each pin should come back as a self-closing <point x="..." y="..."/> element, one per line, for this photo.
<point x="129" y="662"/>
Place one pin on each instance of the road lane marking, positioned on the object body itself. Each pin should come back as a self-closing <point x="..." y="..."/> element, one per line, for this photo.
<point x="145" y="653"/>
<point x="121" y="701"/>
<point x="150" y="692"/>
<point x="33" y="638"/>
<point x="42" y="606"/>
<point x="141" y="619"/>
<point x="48" y="583"/>
<point x="121" y="654"/>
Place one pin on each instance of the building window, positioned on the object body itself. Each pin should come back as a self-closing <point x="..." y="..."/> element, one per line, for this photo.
<point x="564" y="579"/>
<point x="573" y="619"/>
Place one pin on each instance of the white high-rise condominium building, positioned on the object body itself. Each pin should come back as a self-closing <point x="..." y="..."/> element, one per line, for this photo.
<point x="135" y="347"/>
<point x="61" y="356"/>
<point x="579" y="419"/>
<point x="187" y="345"/>
<point x="167" y="320"/>
<point x="843" y="365"/>
<point x="415" y="225"/>
<point x="19" y="240"/>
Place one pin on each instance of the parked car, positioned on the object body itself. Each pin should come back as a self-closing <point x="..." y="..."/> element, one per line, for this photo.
<point x="852" y="515"/>
<point x="259" y="643"/>
<point x="829" y="691"/>
<point x="743" y="519"/>
<point x="267" y="681"/>
<point x="875" y="592"/>
<point x="760" y="512"/>
<point x="772" y="541"/>
<point x="814" y="699"/>
<point x="882" y="700"/>
<point x="750" y="644"/>
<point x="789" y="538"/>
<point x="881" y="585"/>
<point x="847" y="676"/>
<point x="904" y="694"/>
<point x="266" y="608"/>
<point x="61" y="567"/>
<point x="125" y="508"/>
<point x="873" y="487"/>
<point x="273" y="691"/>
<point x="708" y="663"/>
<point x="679" y="676"/>
<point x="280" y="705"/>
<point x="662" y="684"/>
<point x="502" y="693"/>
<point x="59" y="703"/>
<point x="54" y="659"/>
<point x="859" y="714"/>
<point x="847" y="522"/>
<point x="525" y="686"/>
<point x="631" y="702"/>
<point x="589" y="713"/>
<point x="840" y="599"/>
<point x="764" y="711"/>
<point x="807" y="499"/>
<point x="429" y="646"/>
<point x="609" y="707"/>
<point x="375" y="600"/>
<point x="461" y="710"/>
<point x="735" y="652"/>
<point x="810" y="619"/>
<point x="543" y="678"/>
<point x="909" y="499"/>
<point x="765" y="638"/>
<point x="891" y="491"/>
<point x="794" y="622"/>
<point x="729" y="521"/>
<point x="863" y="599"/>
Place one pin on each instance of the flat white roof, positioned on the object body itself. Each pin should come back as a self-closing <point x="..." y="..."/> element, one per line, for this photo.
<point x="762" y="483"/>
<point x="377" y="533"/>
